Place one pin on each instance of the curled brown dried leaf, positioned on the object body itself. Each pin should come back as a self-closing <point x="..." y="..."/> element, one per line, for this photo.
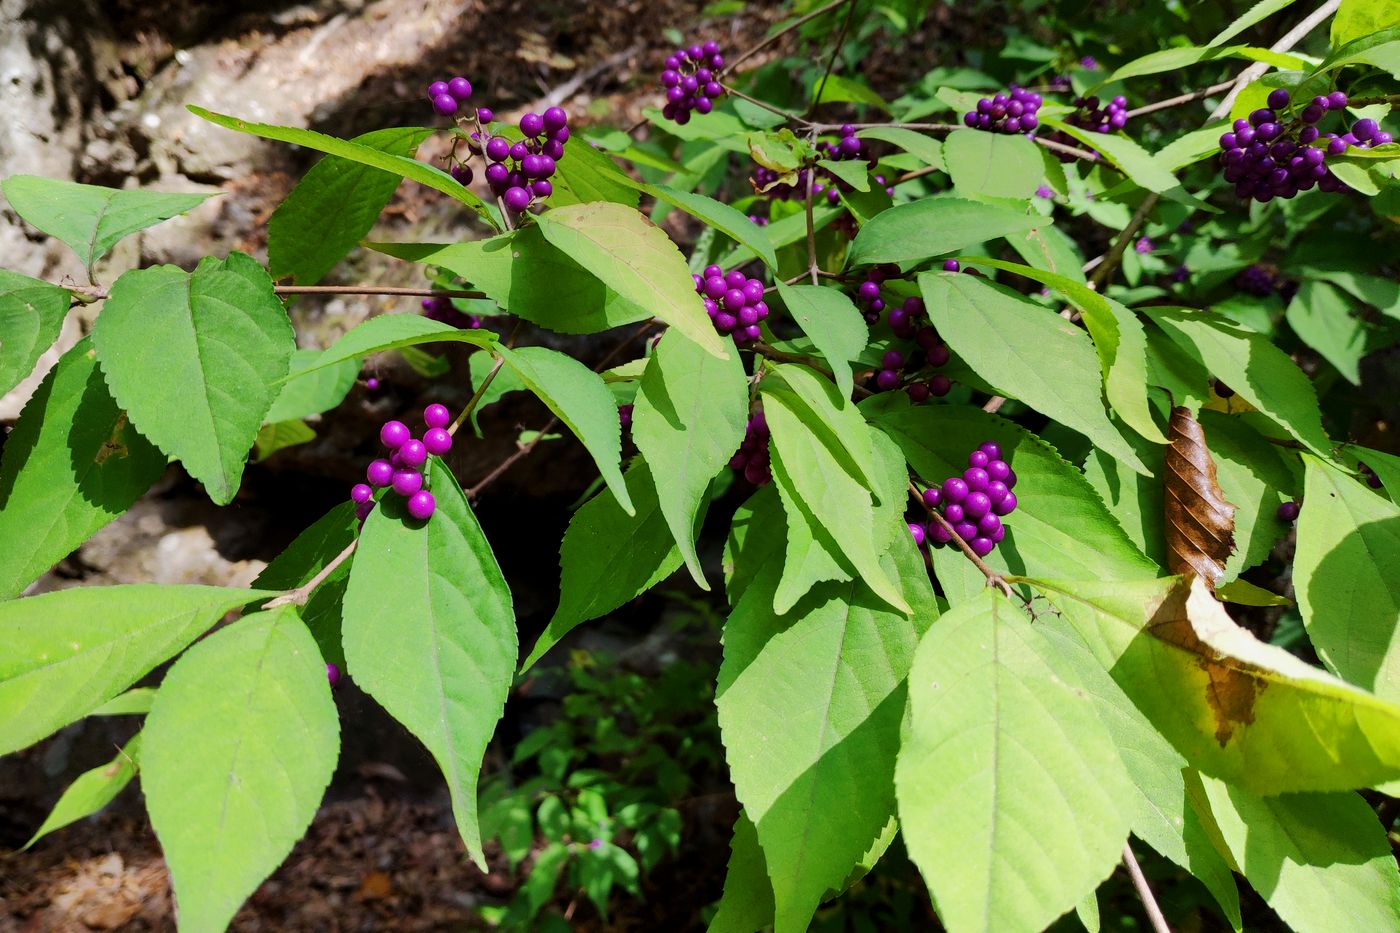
<point x="1200" y="524"/>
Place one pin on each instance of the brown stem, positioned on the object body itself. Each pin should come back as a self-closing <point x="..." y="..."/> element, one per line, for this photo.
<point x="97" y="292"/>
<point x="1149" y="903"/>
<point x="301" y="594"/>
<point x="1292" y="38"/>
<point x="993" y="578"/>
<point x="786" y="114"/>
<point x="811" y="227"/>
<point x="795" y="24"/>
<point x="477" y="396"/>
<point x="1182" y="99"/>
<point x="835" y="52"/>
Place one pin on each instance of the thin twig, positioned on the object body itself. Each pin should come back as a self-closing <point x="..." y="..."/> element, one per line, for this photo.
<point x="993" y="578"/>
<point x="1149" y="903"/>
<point x="795" y="24"/>
<point x="477" y="396"/>
<point x="1292" y="38"/>
<point x="1182" y="99"/>
<point x="97" y="292"/>
<point x="786" y="114"/>
<point x="811" y="226"/>
<point x="835" y="53"/>
<point x="301" y="594"/>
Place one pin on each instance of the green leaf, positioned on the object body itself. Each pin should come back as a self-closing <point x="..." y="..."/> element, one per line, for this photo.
<point x="1320" y="860"/>
<point x="1060" y="527"/>
<point x="747" y="903"/>
<point x="836" y="422"/>
<point x="505" y="382"/>
<point x="333" y="206"/>
<point x="527" y="276"/>
<point x="239" y="748"/>
<point x="1347" y="574"/>
<point x="637" y="260"/>
<point x="70" y="651"/>
<point x="1257" y="13"/>
<point x="1250" y="364"/>
<point x="587" y="174"/>
<point x="1025" y="352"/>
<point x="733" y="223"/>
<point x="1373" y="289"/>
<point x="999" y="728"/>
<point x="1236" y="708"/>
<point x="834" y="325"/>
<point x="933" y="226"/>
<point x="828" y="488"/>
<point x="391" y="332"/>
<point x="854" y="174"/>
<point x="1125" y="154"/>
<point x="134" y="702"/>
<point x="91" y="791"/>
<point x="813" y="767"/>
<point x="992" y="165"/>
<point x="843" y="89"/>
<point x="192" y="357"/>
<point x="321" y="391"/>
<point x="609" y="556"/>
<point x="402" y="166"/>
<point x="1161" y="811"/>
<point x="925" y="148"/>
<point x="305" y="557"/>
<point x="1119" y="339"/>
<point x="1321" y="315"/>
<point x="430" y="634"/>
<point x="688" y="420"/>
<point x="790" y="229"/>
<point x="89" y="218"/>
<point x="580" y="399"/>
<point x="1358" y="18"/>
<point x="31" y="315"/>
<point x="1051" y="249"/>
<point x="1381" y="49"/>
<point x="72" y="464"/>
<point x="279" y="436"/>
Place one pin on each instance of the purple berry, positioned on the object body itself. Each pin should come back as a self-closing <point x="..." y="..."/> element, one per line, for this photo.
<point x="981" y="546"/>
<point x="952" y="265"/>
<point x="979" y="459"/>
<point x="407" y="482"/>
<point x="372" y="383"/>
<point x="998" y="470"/>
<point x="953" y="511"/>
<point x="917" y="531"/>
<point x="1278" y="98"/>
<point x="892" y="359"/>
<point x="460" y="88"/>
<point x="976" y="505"/>
<point x="988" y="526"/>
<point x="1336" y="101"/>
<point x="360" y="494"/>
<point x="437" y="416"/>
<point x="1288" y="512"/>
<point x="421" y="505"/>
<point x="437" y="89"/>
<point x="965" y="530"/>
<point x="938" y="534"/>
<point x="332" y="674"/>
<point x="413" y="453"/>
<point x="887" y="379"/>
<point x="997" y="491"/>
<point x="532" y="125"/>
<point x="1005" y="506"/>
<point x="380" y="473"/>
<point x="394" y="434"/>
<point x="485" y="114"/>
<point x="932" y="497"/>
<point x="517" y="199"/>
<point x="991" y="449"/>
<point x="437" y="441"/>
<point x="555" y="119"/>
<point x="1365" y="129"/>
<point x="869" y="290"/>
<point x="445" y="104"/>
<point x="976" y="479"/>
<point x="955" y="490"/>
<point x="497" y="148"/>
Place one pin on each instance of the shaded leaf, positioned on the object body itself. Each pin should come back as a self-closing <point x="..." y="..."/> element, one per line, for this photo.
<point x="91" y="791"/>
<point x="31" y="316"/>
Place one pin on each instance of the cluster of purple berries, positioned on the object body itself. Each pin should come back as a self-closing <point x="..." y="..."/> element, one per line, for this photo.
<point x="519" y="172"/>
<point x="447" y="96"/>
<point x="1265" y="157"/>
<point x="1256" y="280"/>
<point x="1006" y="113"/>
<point x="1093" y="117"/>
<point x="752" y="457"/>
<point x="973" y="504"/>
<point x="691" y="80"/>
<point x="825" y="184"/>
<point x="734" y="303"/>
<point x="441" y="309"/>
<point x="904" y="321"/>
<point x="403" y="471"/>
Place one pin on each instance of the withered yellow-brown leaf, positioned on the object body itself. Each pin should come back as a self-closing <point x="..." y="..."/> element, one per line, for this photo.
<point x="1200" y="524"/>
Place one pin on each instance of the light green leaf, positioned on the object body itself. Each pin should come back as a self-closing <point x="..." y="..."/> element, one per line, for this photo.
<point x="403" y="166"/>
<point x="91" y="791"/>
<point x="1060" y="527"/>
<point x="1381" y="48"/>
<point x="391" y="332"/>
<point x="1119" y="339"/>
<point x="1026" y="352"/>
<point x="1357" y="18"/>
<point x="1347" y="574"/>
<point x="505" y="382"/>
<point x="1236" y="708"/>
<point x="580" y="399"/>
<point x="925" y="148"/>
<point x="688" y="420"/>
<point x="933" y="226"/>
<point x="1321" y="315"/>
<point x="999" y="727"/>
<point x="302" y="560"/>
<point x="813" y="766"/>
<point x="134" y="702"/>
<point x="1129" y="157"/>
<point x="72" y="464"/>
<point x="192" y="357"/>
<point x="1320" y="860"/>
<point x="785" y="232"/>
<point x="333" y="206"/>
<point x="238" y="749"/>
<point x="321" y="391"/>
<point x="89" y="218"/>
<point x="1257" y="13"/>
<point x="1250" y="364"/>
<point x="31" y="315"/>
<point x="70" y="651"/>
<point x="587" y="174"/>
<point x="731" y="222"/>
<point x="277" y="436"/>
<point x="992" y="165"/>
<point x="1051" y="249"/>
<point x="843" y="89"/>
<point x="747" y="903"/>
<point x="429" y="632"/>
<point x="609" y="556"/>
<point x="637" y="260"/>
<point x="831" y="321"/>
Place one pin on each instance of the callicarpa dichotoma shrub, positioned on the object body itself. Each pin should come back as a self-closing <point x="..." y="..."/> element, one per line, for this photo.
<point x="1003" y="381"/>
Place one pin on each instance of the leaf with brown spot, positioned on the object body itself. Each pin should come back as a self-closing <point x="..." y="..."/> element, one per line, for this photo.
<point x="1235" y="707"/>
<point x="1200" y="524"/>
